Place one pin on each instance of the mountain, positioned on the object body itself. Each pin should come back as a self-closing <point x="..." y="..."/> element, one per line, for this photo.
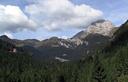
<point x="96" y="36"/>
<point x="56" y="42"/>
<point x="6" y="39"/>
<point x="98" y="67"/>
<point x="103" y="27"/>
<point x="81" y="34"/>
<point x="5" y="46"/>
<point x="119" y="38"/>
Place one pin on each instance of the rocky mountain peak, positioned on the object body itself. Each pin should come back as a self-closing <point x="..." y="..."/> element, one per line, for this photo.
<point x="53" y="39"/>
<point x="102" y="27"/>
<point x="81" y="34"/>
<point x="4" y="37"/>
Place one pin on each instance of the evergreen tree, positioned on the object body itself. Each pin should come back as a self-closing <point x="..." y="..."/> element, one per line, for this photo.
<point x="99" y="74"/>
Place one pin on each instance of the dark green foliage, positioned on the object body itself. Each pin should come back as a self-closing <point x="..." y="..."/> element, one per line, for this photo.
<point x="17" y="67"/>
<point x="99" y="74"/>
<point x="109" y="67"/>
<point x="5" y="45"/>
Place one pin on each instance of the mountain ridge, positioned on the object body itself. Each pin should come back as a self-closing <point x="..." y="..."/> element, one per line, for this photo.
<point x="82" y="43"/>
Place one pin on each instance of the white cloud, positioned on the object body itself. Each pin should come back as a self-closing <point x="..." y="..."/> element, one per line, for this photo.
<point x="64" y="37"/>
<point x="9" y="35"/>
<point x="12" y="19"/>
<point x="58" y="14"/>
<point x="48" y="14"/>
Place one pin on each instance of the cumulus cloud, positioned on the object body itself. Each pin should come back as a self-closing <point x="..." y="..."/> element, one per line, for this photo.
<point x="7" y="34"/>
<point x="58" y="14"/>
<point x="48" y="14"/>
<point x="12" y="19"/>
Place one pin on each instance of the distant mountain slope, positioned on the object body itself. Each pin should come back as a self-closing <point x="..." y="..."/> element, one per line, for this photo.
<point x="103" y="27"/>
<point x="5" y="46"/>
<point x="120" y="37"/>
<point x="92" y="42"/>
<point x="85" y="42"/>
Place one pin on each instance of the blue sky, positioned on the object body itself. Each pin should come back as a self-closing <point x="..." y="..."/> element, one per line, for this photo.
<point x="113" y="10"/>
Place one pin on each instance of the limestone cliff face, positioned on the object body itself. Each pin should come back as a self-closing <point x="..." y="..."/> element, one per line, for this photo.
<point x="102" y="27"/>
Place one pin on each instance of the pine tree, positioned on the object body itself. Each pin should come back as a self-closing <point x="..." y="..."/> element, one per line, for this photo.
<point x="98" y="74"/>
<point x="122" y="65"/>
